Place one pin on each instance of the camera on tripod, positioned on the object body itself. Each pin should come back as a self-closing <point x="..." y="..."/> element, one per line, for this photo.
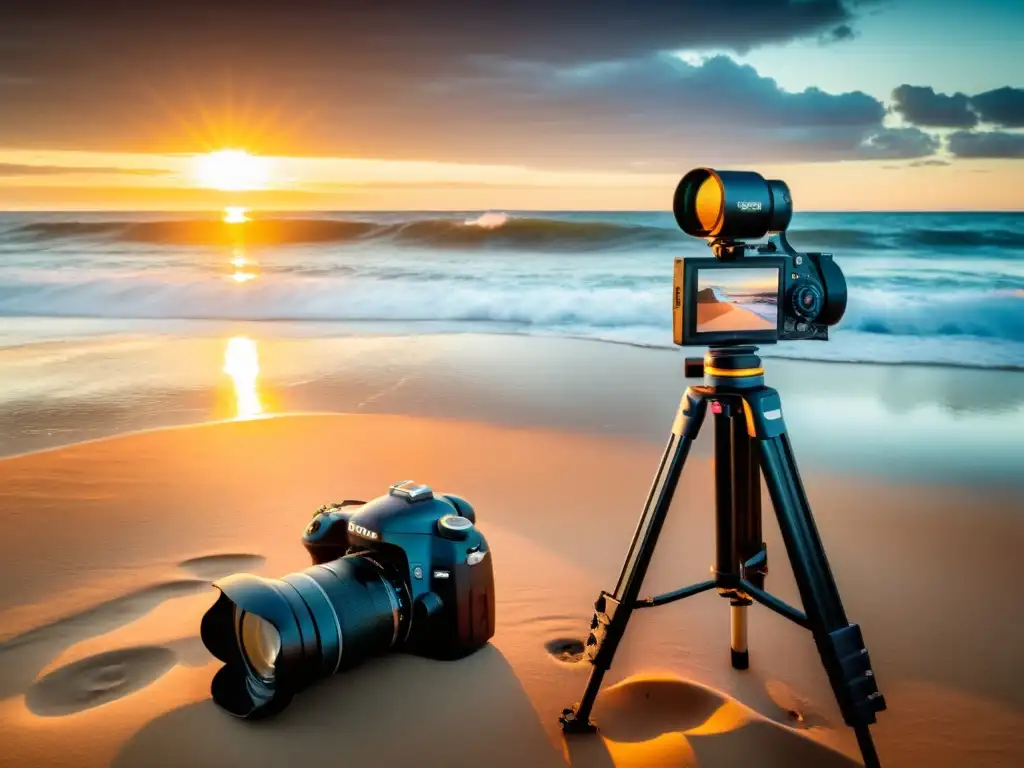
<point x="731" y="303"/>
<point x="748" y="294"/>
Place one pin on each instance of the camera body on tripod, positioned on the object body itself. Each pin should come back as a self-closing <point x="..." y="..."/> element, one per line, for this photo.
<point x="748" y="293"/>
<point x="758" y="299"/>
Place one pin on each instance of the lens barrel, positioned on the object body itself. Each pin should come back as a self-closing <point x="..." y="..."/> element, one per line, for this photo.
<point x="319" y="621"/>
<point x="731" y="205"/>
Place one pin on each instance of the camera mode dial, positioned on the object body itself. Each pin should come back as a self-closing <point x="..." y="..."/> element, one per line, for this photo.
<point x="454" y="527"/>
<point x="806" y="301"/>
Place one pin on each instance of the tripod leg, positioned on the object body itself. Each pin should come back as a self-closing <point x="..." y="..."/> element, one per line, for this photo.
<point x="840" y="644"/>
<point x="738" y="510"/>
<point x="732" y="473"/>
<point x="612" y="611"/>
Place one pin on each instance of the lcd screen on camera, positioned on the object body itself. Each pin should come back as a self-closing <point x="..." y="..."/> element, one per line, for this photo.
<point x="737" y="300"/>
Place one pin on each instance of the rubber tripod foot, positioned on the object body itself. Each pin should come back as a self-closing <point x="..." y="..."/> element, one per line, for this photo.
<point x="740" y="659"/>
<point x="572" y="724"/>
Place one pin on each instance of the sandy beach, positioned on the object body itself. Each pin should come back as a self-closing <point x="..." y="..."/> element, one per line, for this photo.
<point x="259" y="261"/>
<point x="728" y="317"/>
<point x="110" y="545"/>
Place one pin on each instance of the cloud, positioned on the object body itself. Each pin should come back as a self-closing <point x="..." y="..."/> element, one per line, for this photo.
<point x="19" y="169"/>
<point x="928" y="163"/>
<point x="841" y="33"/>
<point x="922" y="106"/>
<point x="988" y="144"/>
<point x="716" y="111"/>
<point x="335" y="30"/>
<point x="898" y="144"/>
<point x="1003" y="107"/>
<point x="332" y="77"/>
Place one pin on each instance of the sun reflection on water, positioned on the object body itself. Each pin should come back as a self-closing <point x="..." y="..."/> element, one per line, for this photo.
<point x="242" y="364"/>
<point x="240" y="262"/>
<point x="235" y="214"/>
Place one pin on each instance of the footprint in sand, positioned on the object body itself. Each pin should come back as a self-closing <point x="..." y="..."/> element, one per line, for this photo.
<point x="568" y="650"/>
<point x="110" y="675"/>
<point x="218" y="566"/>
<point x="98" y="679"/>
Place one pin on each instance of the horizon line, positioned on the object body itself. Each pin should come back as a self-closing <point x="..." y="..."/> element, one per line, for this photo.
<point x="257" y="210"/>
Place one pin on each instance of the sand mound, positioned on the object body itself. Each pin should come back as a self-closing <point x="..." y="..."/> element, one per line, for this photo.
<point x="649" y="721"/>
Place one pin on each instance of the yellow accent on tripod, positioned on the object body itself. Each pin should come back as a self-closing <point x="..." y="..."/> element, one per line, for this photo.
<point x="737" y="373"/>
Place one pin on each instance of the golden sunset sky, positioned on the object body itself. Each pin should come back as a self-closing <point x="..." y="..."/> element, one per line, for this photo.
<point x="867" y="105"/>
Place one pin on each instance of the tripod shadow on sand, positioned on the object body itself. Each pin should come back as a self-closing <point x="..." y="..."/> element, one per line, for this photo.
<point x="393" y="710"/>
<point x="664" y="721"/>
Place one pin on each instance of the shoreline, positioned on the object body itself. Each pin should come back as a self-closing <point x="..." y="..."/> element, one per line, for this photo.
<point x="300" y="328"/>
<point x="837" y="414"/>
<point x="699" y="453"/>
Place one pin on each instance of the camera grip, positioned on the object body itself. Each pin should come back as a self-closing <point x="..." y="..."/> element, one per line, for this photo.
<point x="326" y="536"/>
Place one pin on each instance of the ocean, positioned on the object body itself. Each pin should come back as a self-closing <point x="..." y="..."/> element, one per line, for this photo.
<point x="930" y="288"/>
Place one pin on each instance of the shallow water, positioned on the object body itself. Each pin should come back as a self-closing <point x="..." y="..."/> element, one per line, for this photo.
<point x="913" y="422"/>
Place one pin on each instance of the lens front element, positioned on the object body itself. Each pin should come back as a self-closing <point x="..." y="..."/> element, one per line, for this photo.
<point x="709" y="203"/>
<point x="260" y="643"/>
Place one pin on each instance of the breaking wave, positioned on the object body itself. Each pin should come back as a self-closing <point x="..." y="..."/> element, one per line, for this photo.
<point x="486" y="231"/>
<point x="500" y="231"/>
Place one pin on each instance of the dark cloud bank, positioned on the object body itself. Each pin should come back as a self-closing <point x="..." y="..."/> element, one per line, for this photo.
<point x="568" y="83"/>
<point x="1000" y="109"/>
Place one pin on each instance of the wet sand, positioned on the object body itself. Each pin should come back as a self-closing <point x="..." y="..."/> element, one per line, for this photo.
<point x="936" y="424"/>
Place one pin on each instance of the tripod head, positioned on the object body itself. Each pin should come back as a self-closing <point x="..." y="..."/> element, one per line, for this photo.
<point x="727" y="368"/>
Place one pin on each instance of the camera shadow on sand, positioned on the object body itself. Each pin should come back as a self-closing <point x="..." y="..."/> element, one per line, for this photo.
<point x="386" y="712"/>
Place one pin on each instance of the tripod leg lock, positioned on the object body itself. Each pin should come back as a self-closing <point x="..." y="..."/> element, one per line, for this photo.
<point x="859" y="696"/>
<point x="604" y="611"/>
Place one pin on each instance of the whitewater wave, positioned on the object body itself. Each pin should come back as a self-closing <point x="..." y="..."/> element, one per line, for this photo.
<point x="489" y="230"/>
<point x="993" y="314"/>
<point x="908" y="239"/>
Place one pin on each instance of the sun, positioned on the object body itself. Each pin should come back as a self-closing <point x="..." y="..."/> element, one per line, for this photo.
<point x="231" y="170"/>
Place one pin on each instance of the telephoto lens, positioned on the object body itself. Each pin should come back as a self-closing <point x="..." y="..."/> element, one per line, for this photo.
<point x="407" y="571"/>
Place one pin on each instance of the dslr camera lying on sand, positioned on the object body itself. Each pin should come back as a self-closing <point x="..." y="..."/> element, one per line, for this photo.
<point x="406" y="571"/>
<point x="778" y="295"/>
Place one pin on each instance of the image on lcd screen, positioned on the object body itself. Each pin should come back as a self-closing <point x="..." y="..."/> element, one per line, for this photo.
<point x="737" y="300"/>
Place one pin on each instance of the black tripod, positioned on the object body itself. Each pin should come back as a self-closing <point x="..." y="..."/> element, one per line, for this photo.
<point x="749" y="430"/>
